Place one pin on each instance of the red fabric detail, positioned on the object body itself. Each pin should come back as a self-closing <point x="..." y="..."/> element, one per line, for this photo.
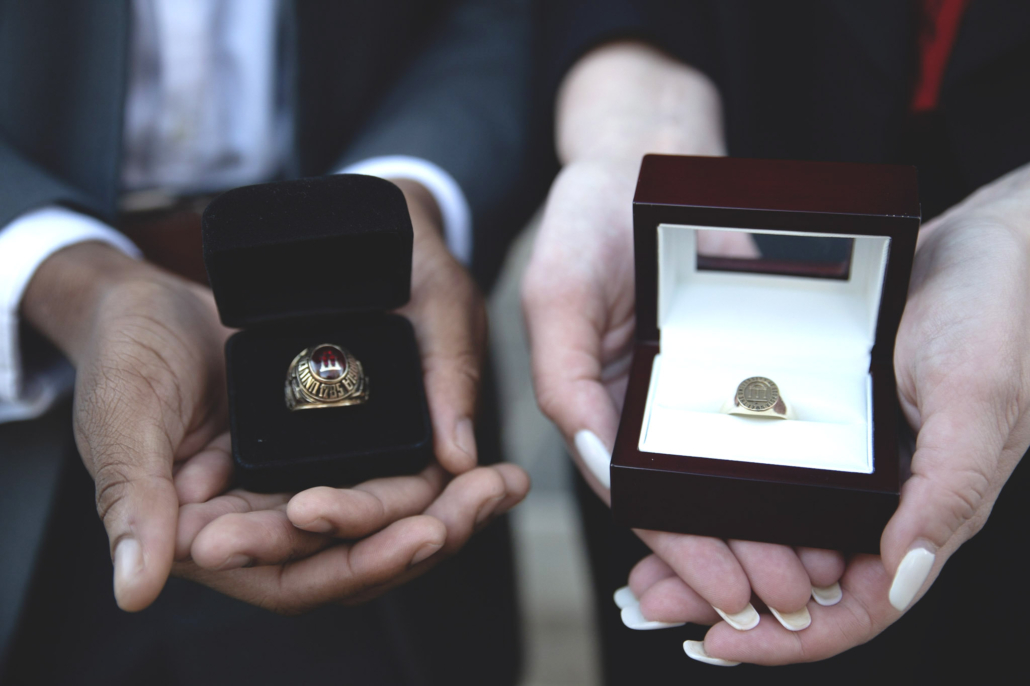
<point x="938" y="27"/>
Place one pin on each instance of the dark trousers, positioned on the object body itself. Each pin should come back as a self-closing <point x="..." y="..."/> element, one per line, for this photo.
<point x="971" y="624"/>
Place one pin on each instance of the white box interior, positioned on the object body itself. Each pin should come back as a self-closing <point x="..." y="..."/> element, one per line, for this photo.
<point x="812" y="336"/>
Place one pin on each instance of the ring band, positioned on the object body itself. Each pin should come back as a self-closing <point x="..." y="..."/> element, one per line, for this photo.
<point x="325" y="376"/>
<point x="758" y="396"/>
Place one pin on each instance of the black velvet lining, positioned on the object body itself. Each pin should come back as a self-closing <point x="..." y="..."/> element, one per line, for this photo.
<point x="308" y="247"/>
<point x="275" y="449"/>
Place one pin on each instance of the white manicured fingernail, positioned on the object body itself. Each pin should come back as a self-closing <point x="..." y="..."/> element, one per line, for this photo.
<point x="633" y="618"/>
<point x="744" y="620"/>
<point x="596" y="457"/>
<point x="793" y="621"/>
<point x="827" y="596"/>
<point x="911" y="575"/>
<point x="624" y="598"/>
<point x="695" y="650"/>
<point x="128" y="561"/>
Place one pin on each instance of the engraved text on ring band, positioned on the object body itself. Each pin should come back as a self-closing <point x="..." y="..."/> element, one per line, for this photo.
<point x="325" y="376"/>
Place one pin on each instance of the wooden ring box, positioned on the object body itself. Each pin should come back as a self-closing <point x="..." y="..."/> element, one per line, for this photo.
<point x="824" y="332"/>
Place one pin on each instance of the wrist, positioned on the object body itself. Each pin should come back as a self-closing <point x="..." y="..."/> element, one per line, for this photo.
<point x="626" y="99"/>
<point x="1003" y="204"/>
<point x="64" y="295"/>
<point x="426" y="218"/>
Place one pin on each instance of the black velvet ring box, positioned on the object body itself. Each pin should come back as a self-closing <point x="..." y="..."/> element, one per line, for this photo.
<point x="794" y="271"/>
<point x="295" y="264"/>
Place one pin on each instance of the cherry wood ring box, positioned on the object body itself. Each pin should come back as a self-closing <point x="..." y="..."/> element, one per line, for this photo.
<point x="294" y="264"/>
<point x="822" y="328"/>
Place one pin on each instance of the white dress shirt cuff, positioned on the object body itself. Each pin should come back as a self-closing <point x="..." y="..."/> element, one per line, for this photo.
<point x="454" y="208"/>
<point x="24" y="244"/>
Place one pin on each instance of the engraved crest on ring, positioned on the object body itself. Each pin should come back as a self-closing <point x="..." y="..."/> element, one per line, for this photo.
<point x="757" y="394"/>
<point x="325" y="375"/>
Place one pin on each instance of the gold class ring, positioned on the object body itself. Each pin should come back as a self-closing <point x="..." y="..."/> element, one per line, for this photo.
<point x="758" y="396"/>
<point x="325" y="375"/>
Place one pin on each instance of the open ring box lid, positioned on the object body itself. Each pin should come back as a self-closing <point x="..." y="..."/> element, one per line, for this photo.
<point x="823" y="331"/>
<point x="295" y="264"/>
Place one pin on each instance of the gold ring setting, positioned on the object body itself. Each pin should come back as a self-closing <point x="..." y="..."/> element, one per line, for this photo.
<point x="758" y="396"/>
<point x="325" y="375"/>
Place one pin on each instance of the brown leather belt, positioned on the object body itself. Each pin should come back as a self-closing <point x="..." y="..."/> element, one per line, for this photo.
<point x="167" y="229"/>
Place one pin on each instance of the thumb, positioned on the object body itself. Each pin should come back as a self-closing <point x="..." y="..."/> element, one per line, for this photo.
<point x="129" y="455"/>
<point x="450" y="323"/>
<point x="566" y="350"/>
<point x="956" y="454"/>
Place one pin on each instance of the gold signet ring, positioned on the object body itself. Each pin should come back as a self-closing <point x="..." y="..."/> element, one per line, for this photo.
<point x="758" y="396"/>
<point x="325" y="376"/>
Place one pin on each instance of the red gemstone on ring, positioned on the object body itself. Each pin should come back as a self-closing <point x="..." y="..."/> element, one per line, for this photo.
<point x="327" y="363"/>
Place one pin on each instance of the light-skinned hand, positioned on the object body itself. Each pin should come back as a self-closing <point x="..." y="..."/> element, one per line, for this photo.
<point x="962" y="361"/>
<point x="962" y="377"/>
<point x="960" y="365"/>
<point x="618" y="103"/>
<point x="578" y="298"/>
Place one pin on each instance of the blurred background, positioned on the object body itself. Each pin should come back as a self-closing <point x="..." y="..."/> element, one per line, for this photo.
<point x="559" y="632"/>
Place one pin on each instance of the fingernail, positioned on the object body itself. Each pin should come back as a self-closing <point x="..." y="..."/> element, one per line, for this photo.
<point x="318" y="526"/>
<point x="595" y="456"/>
<point x="633" y="618"/>
<point x="695" y="650"/>
<point x="828" y="595"/>
<point x="793" y="621"/>
<point x="237" y="561"/>
<point x="424" y="552"/>
<point x="745" y="620"/>
<point x="911" y="575"/>
<point x="487" y="509"/>
<point x="624" y="598"/>
<point x="128" y="562"/>
<point x="465" y="437"/>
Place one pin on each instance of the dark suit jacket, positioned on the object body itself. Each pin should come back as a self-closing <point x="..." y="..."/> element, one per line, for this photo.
<point x="443" y="80"/>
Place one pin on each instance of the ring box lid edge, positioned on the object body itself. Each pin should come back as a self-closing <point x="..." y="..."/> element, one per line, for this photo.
<point x="306" y="248"/>
<point x="778" y="195"/>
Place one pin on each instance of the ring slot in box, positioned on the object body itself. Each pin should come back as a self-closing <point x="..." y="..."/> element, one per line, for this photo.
<point x="296" y="264"/>
<point x="823" y="329"/>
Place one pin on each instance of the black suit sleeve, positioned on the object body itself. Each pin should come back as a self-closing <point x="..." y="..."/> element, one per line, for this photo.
<point x="61" y="99"/>
<point x="571" y="28"/>
<point x="24" y="186"/>
<point x="463" y="103"/>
